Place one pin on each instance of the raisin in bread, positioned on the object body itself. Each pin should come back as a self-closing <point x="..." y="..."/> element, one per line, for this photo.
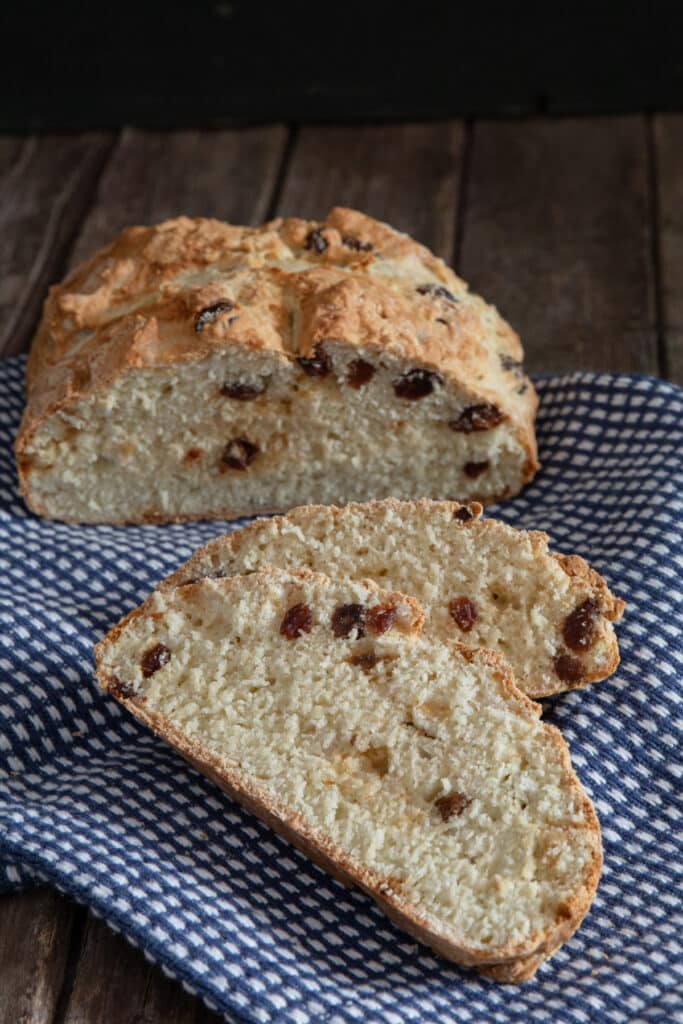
<point x="479" y="581"/>
<point x="410" y="767"/>
<point x="197" y="369"/>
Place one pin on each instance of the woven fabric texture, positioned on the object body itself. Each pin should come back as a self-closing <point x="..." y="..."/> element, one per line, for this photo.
<point x="93" y="804"/>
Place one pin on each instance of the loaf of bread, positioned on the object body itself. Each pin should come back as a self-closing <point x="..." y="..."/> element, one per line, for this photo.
<point x="196" y="369"/>
<point x="479" y="581"/>
<point x="410" y="767"/>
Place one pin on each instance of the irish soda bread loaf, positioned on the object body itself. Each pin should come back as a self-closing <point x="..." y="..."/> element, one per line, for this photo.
<point x="479" y="581"/>
<point x="197" y="369"/>
<point x="413" y="768"/>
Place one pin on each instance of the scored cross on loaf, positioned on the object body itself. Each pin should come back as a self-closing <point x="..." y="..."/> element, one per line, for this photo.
<point x="198" y="369"/>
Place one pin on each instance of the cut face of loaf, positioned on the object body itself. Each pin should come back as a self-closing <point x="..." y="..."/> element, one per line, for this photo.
<point x="196" y="369"/>
<point x="480" y="582"/>
<point x="412" y="768"/>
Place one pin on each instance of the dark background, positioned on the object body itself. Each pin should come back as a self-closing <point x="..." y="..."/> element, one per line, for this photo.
<point x="81" y="65"/>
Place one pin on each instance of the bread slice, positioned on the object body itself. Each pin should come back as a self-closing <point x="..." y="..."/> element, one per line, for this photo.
<point x="412" y="768"/>
<point x="479" y="581"/>
<point x="197" y="369"/>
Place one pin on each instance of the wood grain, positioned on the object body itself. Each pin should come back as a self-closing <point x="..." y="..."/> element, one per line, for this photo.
<point x="114" y="984"/>
<point x="35" y="930"/>
<point x="668" y="177"/>
<point x="150" y="177"/>
<point x="557" y="234"/>
<point x="46" y="185"/>
<point x="405" y="174"/>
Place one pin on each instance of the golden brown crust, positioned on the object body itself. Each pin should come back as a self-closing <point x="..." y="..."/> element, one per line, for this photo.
<point x="135" y="304"/>
<point x="511" y="963"/>
<point x="515" y="971"/>
<point x="611" y="607"/>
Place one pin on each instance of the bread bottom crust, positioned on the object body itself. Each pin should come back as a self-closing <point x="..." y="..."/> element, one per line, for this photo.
<point x="507" y="970"/>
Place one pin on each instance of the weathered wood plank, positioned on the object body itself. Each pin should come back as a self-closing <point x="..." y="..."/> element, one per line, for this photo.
<point x="46" y="185"/>
<point x="668" y="176"/>
<point x="35" y="930"/>
<point x="557" y="234"/>
<point x="152" y="176"/>
<point x="406" y="174"/>
<point x="116" y="985"/>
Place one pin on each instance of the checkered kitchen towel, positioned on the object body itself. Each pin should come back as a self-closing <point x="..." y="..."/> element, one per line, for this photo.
<point x="93" y="804"/>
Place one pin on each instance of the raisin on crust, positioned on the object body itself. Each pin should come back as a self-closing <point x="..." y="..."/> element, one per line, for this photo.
<point x="309" y="362"/>
<point x="421" y="774"/>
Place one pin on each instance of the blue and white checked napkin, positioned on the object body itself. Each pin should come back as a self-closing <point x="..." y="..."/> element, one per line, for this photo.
<point x="93" y="804"/>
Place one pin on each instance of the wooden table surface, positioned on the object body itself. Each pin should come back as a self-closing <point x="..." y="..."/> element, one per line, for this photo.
<point x="573" y="227"/>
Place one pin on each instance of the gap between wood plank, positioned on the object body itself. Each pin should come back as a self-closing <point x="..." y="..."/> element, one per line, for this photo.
<point x="35" y="933"/>
<point x="230" y="175"/>
<point x="292" y="135"/>
<point x="668" y="164"/>
<point x="38" y="226"/>
<point x="79" y="919"/>
<point x="405" y="174"/>
<point x="463" y="192"/>
<point x="116" y="984"/>
<point x="557" y="235"/>
<point x="656" y="256"/>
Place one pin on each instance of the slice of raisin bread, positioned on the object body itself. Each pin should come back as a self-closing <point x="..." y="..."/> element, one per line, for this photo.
<point x="479" y="581"/>
<point x="410" y="767"/>
<point x="196" y="369"/>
